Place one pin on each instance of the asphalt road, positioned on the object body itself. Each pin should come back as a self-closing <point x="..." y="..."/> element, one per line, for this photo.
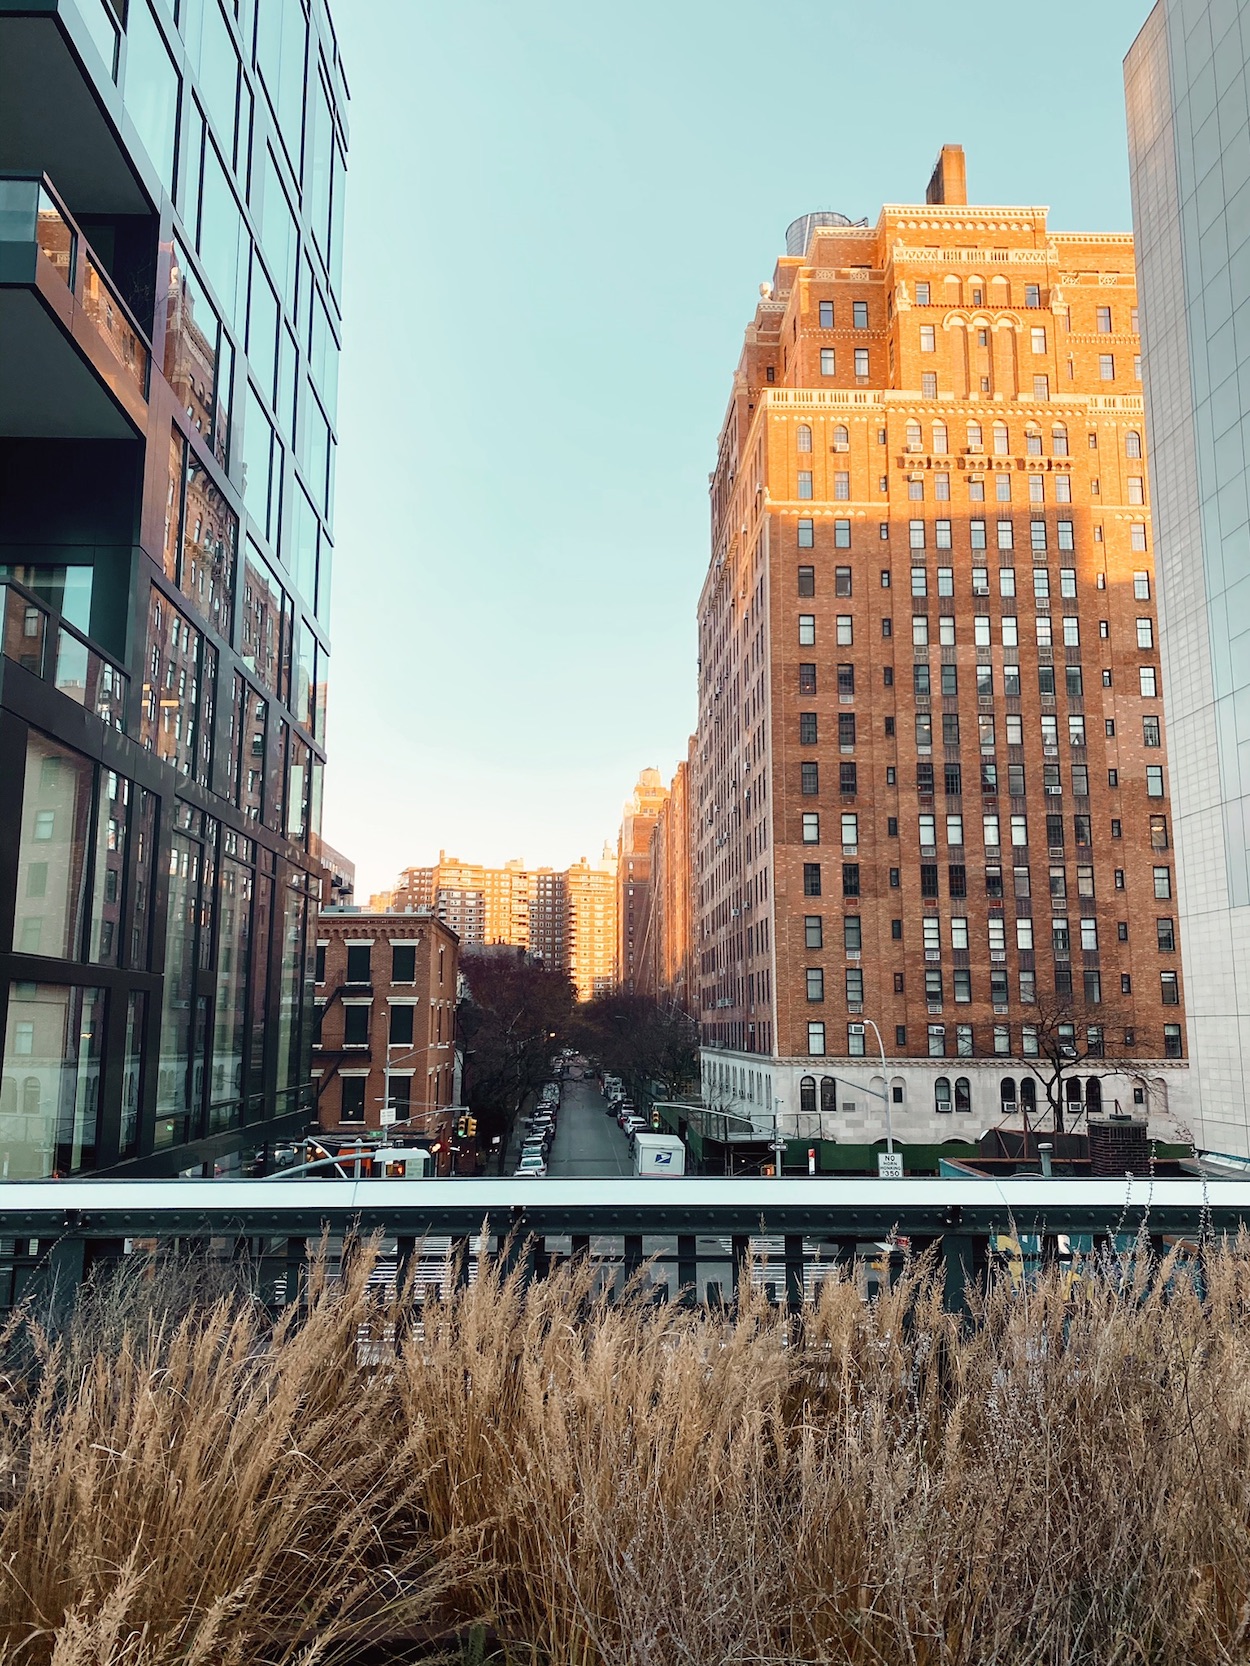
<point x="588" y="1143"/>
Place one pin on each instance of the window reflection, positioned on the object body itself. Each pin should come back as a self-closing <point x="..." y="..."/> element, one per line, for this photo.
<point x="171" y="692"/>
<point x="197" y="356"/>
<point x="50" y="1089"/>
<point x="178" y="1005"/>
<point x="111" y="834"/>
<point x="263" y="608"/>
<point x="209" y="548"/>
<point x="234" y="946"/>
<point x="290" y="1040"/>
<point x="249" y="719"/>
<point x="132" y="1074"/>
<point x="52" y="858"/>
<point x="141" y="912"/>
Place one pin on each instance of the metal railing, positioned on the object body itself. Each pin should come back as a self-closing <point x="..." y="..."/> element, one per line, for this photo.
<point x="32" y="212"/>
<point x="682" y="1230"/>
<point x="33" y="637"/>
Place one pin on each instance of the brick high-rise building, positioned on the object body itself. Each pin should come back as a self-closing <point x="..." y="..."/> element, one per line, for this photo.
<point x="171" y="238"/>
<point x="590" y="925"/>
<point x="667" y="954"/>
<point x="931" y="778"/>
<point x="480" y="904"/>
<point x="565" y="917"/>
<point x="633" y="876"/>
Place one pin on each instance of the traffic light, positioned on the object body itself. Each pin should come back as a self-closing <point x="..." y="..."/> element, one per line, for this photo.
<point x="655" y="1120"/>
<point x="471" y="1126"/>
<point x="462" y="1127"/>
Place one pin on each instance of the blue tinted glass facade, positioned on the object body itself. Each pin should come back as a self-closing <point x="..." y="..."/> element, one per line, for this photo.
<point x="1189" y="130"/>
<point x="172" y="175"/>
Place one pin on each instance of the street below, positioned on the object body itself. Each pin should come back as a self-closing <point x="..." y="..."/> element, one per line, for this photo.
<point x="588" y="1144"/>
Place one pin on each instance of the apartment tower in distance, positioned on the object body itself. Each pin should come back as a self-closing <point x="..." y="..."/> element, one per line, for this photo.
<point x="931" y="799"/>
<point x="633" y="877"/>
<point x="1189" y="121"/>
<point x="171" y="200"/>
<point x="563" y="917"/>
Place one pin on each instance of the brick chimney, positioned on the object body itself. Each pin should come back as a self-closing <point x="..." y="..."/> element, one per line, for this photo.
<point x="949" y="180"/>
<point x="1118" y="1144"/>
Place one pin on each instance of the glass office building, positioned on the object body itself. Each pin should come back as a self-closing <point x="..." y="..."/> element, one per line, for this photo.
<point x="1189" y="134"/>
<point x="171" y="211"/>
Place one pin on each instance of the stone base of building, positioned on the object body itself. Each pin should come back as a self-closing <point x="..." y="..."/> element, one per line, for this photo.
<point x="932" y="1101"/>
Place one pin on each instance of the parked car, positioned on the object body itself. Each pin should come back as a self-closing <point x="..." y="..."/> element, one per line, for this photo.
<point x="532" y="1164"/>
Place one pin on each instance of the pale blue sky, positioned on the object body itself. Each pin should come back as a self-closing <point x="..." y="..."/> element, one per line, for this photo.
<point x="558" y="217"/>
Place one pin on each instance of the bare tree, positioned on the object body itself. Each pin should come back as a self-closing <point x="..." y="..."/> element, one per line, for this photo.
<point x="1071" y="1035"/>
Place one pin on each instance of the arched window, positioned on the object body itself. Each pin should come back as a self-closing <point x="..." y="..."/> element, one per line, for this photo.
<point x="1001" y="443"/>
<point x="841" y="438"/>
<point x="828" y="1094"/>
<point x="1093" y="1094"/>
<point x="807" y="1095"/>
<point x="1007" y="1093"/>
<point x="963" y="1094"/>
<point x="1132" y="443"/>
<point x="804" y="435"/>
<point x="914" y="438"/>
<point x="1059" y="435"/>
<point x="1028" y="1095"/>
<point x="940" y="443"/>
<point x="1033" y="441"/>
<point x="1072" y="1091"/>
<point x="975" y="441"/>
<point x="942" y="1095"/>
<point x="31" y="1096"/>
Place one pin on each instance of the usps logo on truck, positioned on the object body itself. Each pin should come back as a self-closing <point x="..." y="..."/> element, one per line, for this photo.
<point x="662" y="1159"/>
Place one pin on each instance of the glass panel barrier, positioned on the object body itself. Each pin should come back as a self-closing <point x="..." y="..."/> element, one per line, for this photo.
<point x="25" y="630"/>
<point x="90" y="680"/>
<point x="55" y="237"/>
<point x="77" y="670"/>
<point x="103" y="306"/>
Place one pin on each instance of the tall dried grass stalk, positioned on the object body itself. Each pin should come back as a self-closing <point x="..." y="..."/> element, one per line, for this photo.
<point x="1063" y="1482"/>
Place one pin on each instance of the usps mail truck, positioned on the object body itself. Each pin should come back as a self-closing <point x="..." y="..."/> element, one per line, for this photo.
<point x="658" y="1155"/>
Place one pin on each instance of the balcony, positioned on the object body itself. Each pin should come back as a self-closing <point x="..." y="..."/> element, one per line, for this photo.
<point x="76" y="362"/>
<point x="63" y="110"/>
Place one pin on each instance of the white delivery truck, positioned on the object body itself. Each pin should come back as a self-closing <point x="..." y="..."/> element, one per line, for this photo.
<point x="658" y="1155"/>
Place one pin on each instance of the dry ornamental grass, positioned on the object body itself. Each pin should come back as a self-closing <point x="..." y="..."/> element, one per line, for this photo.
<point x="547" y="1476"/>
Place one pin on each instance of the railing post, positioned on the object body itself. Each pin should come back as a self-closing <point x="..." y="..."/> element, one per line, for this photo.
<point x="964" y="1257"/>
<point x="633" y="1254"/>
<point x="796" y="1293"/>
<point x="740" y="1245"/>
<point x="63" y="1273"/>
<point x="687" y="1267"/>
<point x="459" y="1257"/>
<point x="296" y="1271"/>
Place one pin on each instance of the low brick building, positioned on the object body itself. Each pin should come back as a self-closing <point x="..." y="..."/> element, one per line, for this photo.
<point x="384" y="1047"/>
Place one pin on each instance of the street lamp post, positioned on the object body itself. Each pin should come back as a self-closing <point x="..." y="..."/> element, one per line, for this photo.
<point x="889" y="1113"/>
<point x="779" y="1144"/>
<point x="887" y="1163"/>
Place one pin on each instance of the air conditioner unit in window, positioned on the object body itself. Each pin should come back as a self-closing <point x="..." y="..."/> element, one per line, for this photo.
<point x="840" y="445"/>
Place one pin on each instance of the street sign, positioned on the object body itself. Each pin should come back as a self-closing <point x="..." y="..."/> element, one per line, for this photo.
<point x="890" y="1165"/>
<point x="811" y="1159"/>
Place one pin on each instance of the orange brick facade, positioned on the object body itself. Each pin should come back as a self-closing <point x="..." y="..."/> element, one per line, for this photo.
<point x="931" y="776"/>
<point x="666" y="960"/>
<point x="384" y="1050"/>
